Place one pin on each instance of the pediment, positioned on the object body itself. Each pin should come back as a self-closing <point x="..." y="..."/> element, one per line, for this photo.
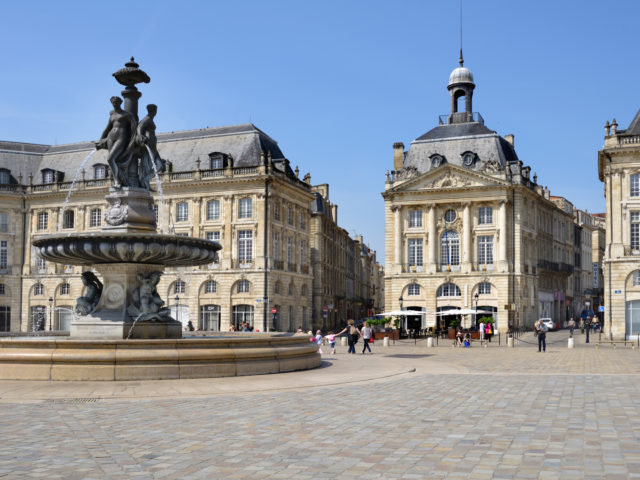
<point x="449" y="177"/>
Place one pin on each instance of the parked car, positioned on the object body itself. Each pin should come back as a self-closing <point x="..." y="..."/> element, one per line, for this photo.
<point x="549" y="323"/>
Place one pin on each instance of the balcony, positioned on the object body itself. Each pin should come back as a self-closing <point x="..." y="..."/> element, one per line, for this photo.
<point x="411" y="268"/>
<point x="631" y="250"/>
<point x="292" y="267"/>
<point x="304" y="268"/>
<point x="278" y="264"/>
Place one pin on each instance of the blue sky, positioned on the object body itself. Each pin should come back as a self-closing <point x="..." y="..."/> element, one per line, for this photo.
<point x="336" y="83"/>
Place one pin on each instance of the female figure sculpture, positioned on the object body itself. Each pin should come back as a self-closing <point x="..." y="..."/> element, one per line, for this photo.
<point x="119" y="138"/>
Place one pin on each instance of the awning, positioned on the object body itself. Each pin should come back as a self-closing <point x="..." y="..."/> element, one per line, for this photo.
<point x="395" y="313"/>
<point x="462" y="311"/>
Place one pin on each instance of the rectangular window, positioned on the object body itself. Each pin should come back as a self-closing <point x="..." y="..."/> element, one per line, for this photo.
<point x="43" y="221"/>
<point x="303" y="222"/>
<point x="245" y="246"/>
<point x="213" y="236"/>
<point x="485" y="288"/>
<point x="68" y="219"/>
<point x="245" y="208"/>
<point x="213" y="210"/>
<point x="4" y="222"/>
<point x="485" y="215"/>
<point x="41" y="264"/>
<point x="289" y="250"/>
<point x="96" y="217"/>
<point x="635" y="230"/>
<point x="415" y="252"/>
<point x="100" y="171"/>
<point x="290" y="216"/>
<point x="276" y="247"/>
<point x="414" y="289"/>
<point x="216" y="161"/>
<point x="5" y="319"/>
<point x="276" y="211"/>
<point x="154" y="207"/>
<point x="634" y="181"/>
<point x="4" y="255"/>
<point x="302" y="250"/>
<point x="485" y="249"/>
<point x="47" y="176"/>
<point x="415" y="218"/>
<point x="182" y="212"/>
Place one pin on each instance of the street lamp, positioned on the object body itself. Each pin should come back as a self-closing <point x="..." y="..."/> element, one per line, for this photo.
<point x="50" y="312"/>
<point x="476" y="314"/>
<point x="177" y="311"/>
<point x="400" y="301"/>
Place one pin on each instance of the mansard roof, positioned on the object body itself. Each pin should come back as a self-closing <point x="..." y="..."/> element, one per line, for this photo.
<point x="243" y="142"/>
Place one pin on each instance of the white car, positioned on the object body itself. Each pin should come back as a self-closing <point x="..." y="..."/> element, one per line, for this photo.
<point x="549" y="323"/>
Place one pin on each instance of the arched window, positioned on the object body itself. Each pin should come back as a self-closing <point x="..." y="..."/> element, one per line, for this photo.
<point x="448" y="290"/>
<point x="484" y="288"/>
<point x="210" y="286"/>
<point x="38" y="289"/>
<point x="303" y="290"/>
<point x="291" y="289"/>
<point x="636" y="278"/>
<point x="450" y="248"/>
<point x="65" y="288"/>
<point x="245" y="208"/>
<point x="179" y="287"/>
<point x="242" y="314"/>
<point x="413" y="289"/>
<point x="243" y="286"/>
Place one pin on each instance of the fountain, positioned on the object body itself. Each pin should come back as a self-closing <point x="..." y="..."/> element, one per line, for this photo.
<point x="121" y="329"/>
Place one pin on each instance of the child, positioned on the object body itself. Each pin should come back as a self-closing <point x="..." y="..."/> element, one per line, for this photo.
<point x="332" y="342"/>
<point x="319" y="341"/>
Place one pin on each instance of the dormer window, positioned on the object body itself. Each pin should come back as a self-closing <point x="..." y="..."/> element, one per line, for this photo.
<point x="48" y="176"/>
<point x="437" y="160"/>
<point x="468" y="159"/>
<point x="217" y="160"/>
<point x="5" y="177"/>
<point x="99" y="171"/>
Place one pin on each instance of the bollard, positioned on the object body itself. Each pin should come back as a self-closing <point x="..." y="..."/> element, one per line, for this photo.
<point x="510" y="342"/>
<point x="430" y="342"/>
<point x="343" y="341"/>
<point x="385" y="342"/>
<point x="570" y="342"/>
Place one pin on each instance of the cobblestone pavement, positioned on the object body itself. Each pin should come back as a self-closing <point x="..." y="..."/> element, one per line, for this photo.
<point x="405" y="412"/>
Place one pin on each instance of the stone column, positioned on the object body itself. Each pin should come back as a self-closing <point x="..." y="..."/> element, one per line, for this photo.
<point x="503" y="262"/>
<point x="397" y="231"/>
<point x="432" y="240"/>
<point x="197" y="217"/>
<point x="466" y="238"/>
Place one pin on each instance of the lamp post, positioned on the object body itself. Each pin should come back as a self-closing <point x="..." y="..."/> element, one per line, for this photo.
<point x="400" y="301"/>
<point x="177" y="311"/>
<point x="475" y="317"/>
<point x="50" y="313"/>
<point x="588" y="323"/>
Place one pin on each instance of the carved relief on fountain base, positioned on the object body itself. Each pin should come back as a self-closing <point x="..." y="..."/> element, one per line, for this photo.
<point x="130" y="210"/>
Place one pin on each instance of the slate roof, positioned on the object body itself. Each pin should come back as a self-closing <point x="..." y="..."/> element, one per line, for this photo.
<point x="634" y="126"/>
<point x="453" y="140"/>
<point x="243" y="142"/>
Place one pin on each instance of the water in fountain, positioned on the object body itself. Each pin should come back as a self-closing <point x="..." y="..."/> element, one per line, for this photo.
<point x="158" y="184"/>
<point x="133" y="325"/>
<point x="73" y="184"/>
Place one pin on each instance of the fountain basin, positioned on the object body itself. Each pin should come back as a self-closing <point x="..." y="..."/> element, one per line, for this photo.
<point x="108" y="360"/>
<point x="107" y="248"/>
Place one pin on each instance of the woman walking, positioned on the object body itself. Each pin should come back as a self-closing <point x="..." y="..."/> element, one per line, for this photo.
<point x="352" y="335"/>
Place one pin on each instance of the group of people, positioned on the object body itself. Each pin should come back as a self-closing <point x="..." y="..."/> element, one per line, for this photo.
<point x="242" y="327"/>
<point x="353" y="334"/>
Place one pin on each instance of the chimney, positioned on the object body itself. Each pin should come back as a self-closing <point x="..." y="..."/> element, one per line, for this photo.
<point x="509" y="138"/>
<point x="334" y="213"/>
<point x="398" y="155"/>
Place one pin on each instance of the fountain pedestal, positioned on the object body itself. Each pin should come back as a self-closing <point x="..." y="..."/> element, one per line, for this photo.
<point x="130" y="210"/>
<point x="110" y="319"/>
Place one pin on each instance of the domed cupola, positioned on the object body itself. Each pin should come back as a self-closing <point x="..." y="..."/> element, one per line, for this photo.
<point x="461" y="85"/>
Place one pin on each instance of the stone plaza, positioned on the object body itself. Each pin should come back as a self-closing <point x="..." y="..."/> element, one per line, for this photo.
<point x="406" y="411"/>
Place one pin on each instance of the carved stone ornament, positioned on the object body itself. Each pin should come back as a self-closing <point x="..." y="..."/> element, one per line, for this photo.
<point x="449" y="181"/>
<point x="406" y="173"/>
<point x="491" y="166"/>
<point x="116" y="214"/>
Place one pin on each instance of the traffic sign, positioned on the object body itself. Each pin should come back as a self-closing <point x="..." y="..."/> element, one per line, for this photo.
<point x="601" y="308"/>
<point x="274" y="310"/>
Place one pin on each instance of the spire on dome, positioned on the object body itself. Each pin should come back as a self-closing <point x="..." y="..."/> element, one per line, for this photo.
<point x="461" y="60"/>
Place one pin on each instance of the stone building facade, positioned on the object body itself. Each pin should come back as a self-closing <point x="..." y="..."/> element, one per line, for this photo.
<point x="228" y="184"/>
<point x="619" y="170"/>
<point x="468" y="226"/>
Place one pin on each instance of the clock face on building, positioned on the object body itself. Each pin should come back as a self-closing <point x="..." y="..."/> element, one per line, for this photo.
<point x="449" y="215"/>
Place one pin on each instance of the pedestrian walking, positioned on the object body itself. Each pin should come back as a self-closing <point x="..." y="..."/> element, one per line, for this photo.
<point x="581" y="325"/>
<point x="541" y="330"/>
<point x="481" y="330"/>
<point x="459" y="338"/>
<point x="352" y="335"/>
<point x="319" y="341"/>
<point x="572" y="325"/>
<point x="366" y="337"/>
<point x="488" y="331"/>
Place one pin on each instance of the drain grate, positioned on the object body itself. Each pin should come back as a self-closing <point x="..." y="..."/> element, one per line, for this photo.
<point x="73" y="400"/>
